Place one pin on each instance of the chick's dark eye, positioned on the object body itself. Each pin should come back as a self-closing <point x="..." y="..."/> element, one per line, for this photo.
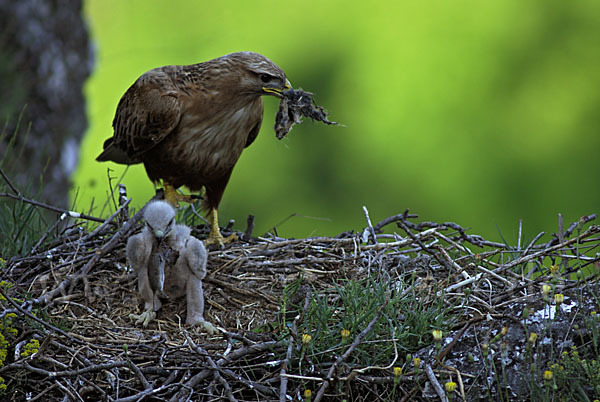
<point x="265" y="78"/>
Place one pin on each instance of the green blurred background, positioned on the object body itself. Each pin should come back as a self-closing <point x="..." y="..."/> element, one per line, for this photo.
<point x="477" y="112"/>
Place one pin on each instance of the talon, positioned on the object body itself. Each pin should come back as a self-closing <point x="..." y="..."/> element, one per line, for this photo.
<point x="215" y="236"/>
<point x="208" y="327"/>
<point x="203" y="325"/>
<point x="143" y="318"/>
<point x="219" y="240"/>
<point x="173" y="197"/>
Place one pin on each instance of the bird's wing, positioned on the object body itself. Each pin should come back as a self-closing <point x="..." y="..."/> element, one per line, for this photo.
<point x="195" y="256"/>
<point x="138" y="250"/>
<point x="254" y="132"/>
<point x="147" y="113"/>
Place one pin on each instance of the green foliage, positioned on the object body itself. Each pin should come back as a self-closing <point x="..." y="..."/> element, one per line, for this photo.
<point x="30" y="348"/>
<point x="7" y="335"/>
<point x="21" y="224"/>
<point x="576" y="378"/>
<point x="335" y="317"/>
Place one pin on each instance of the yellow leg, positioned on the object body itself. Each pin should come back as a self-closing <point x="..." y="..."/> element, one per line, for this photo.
<point x="215" y="236"/>
<point x="173" y="197"/>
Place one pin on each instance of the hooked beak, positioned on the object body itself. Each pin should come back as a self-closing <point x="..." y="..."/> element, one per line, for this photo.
<point x="161" y="235"/>
<point x="278" y="91"/>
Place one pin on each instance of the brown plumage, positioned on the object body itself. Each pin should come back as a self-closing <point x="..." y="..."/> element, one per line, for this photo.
<point x="188" y="125"/>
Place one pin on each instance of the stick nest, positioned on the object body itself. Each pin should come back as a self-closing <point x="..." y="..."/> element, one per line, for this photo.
<point x="74" y="296"/>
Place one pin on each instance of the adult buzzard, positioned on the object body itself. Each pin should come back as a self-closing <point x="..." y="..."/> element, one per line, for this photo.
<point x="188" y="125"/>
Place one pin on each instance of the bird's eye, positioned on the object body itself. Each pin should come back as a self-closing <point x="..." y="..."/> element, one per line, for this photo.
<point x="265" y="78"/>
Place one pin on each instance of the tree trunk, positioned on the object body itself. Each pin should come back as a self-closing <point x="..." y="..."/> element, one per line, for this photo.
<point x="45" y="58"/>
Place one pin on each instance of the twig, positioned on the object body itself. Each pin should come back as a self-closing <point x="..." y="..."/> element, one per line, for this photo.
<point x="10" y="185"/>
<point x="213" y="365"/>
<point x="420" y="243"/>
<point x="203" y="219"/>
<point x="369" y="224"/>
<point x="560" y="232"/>
<point x="122" y="209"/>
<point x="436" y="384"/>
<point x="448" y="348"/>
<point x="72" y="214"/>
<point x="284" y="366"/>
<point x="20" y="365"/>
<point x="520" y="234"/>
<point x="532" y="242"/>
<point x="139" y="375"/>
<point x="391" y="219"/>
<point x="582" y="221"/>
<point x="123" y="200"/>
<point x="47" y="233"/>
<point x="473" y="239"/>
<point x="249" y="228"/>
<point x="150" y="391"/>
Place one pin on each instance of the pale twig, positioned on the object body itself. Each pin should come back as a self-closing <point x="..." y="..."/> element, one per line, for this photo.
<point x="369" y="224"/>
<point x="203" y="219"/>
<point x="20" y="365"/>
<point x="71" y="214"/>
<point x="123" y="208"/>
<point x="532" y="242"/>
<point x="435" y="383"/>
<point x="123" y="200"/>
<point x="47" y="233"/>
<point x="520" y="234"/>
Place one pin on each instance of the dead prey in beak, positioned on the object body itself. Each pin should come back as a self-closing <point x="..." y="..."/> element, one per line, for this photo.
<point x="295" y="104"/>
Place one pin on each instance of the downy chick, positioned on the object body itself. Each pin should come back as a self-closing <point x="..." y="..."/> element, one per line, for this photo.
<point x="169" y="262"/>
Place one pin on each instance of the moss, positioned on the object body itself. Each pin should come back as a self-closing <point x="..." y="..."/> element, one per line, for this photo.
<point x="32" y="347"/>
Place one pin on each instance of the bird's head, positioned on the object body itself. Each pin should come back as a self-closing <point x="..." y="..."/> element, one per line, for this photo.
<point x="160" y="219"/>
<point x="259" y="75"/>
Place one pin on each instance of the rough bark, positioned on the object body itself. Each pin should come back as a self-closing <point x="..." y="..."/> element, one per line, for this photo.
<point x="45" y="58"/>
